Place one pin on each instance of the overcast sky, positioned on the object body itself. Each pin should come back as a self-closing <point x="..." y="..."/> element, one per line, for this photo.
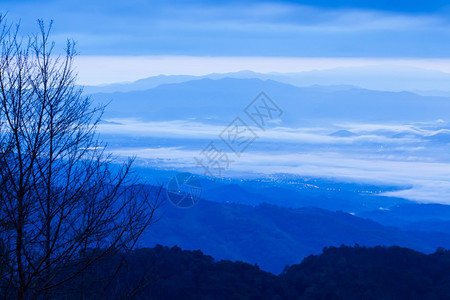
<point x="350" y="28"/>
<point x="325" y="29"/>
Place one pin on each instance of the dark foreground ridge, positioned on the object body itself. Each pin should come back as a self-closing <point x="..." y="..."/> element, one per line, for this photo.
<point x="338" y="273"/>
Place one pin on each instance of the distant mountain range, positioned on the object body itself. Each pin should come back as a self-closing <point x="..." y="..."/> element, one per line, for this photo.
<point x="381" y="77"/>
<point x="208" y="100"/>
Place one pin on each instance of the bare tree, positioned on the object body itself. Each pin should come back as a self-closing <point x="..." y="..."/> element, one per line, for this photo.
<point x="63" y="203"/>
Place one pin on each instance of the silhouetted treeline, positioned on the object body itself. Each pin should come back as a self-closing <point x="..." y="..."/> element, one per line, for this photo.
<point x="371" y="273"/>
<point x="338" y="273"/>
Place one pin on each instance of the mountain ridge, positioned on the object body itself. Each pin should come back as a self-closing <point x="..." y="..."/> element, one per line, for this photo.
<point x="222" y="99"/>
<point x="419" y="80"/>
<point x="274" y="236"/>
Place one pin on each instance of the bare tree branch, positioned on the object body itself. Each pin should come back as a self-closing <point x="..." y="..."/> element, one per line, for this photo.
<point x="63" y="203"/>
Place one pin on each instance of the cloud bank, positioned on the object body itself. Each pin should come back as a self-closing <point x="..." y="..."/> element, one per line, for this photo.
<point x="372" y="155"/>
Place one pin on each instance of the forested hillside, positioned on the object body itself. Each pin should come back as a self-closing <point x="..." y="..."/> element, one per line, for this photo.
<point x="338" y="273"/>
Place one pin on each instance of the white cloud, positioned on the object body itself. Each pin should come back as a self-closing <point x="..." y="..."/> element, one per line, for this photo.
<point x="403" y="162"/>
<point x="429" y="181"/>
<point x="196" y="130"/>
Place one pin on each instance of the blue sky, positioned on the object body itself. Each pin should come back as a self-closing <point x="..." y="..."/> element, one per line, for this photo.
<point x="351" y="28"/>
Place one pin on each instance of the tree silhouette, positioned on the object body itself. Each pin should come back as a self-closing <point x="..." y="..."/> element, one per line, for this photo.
<point x="63" y="203"/>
